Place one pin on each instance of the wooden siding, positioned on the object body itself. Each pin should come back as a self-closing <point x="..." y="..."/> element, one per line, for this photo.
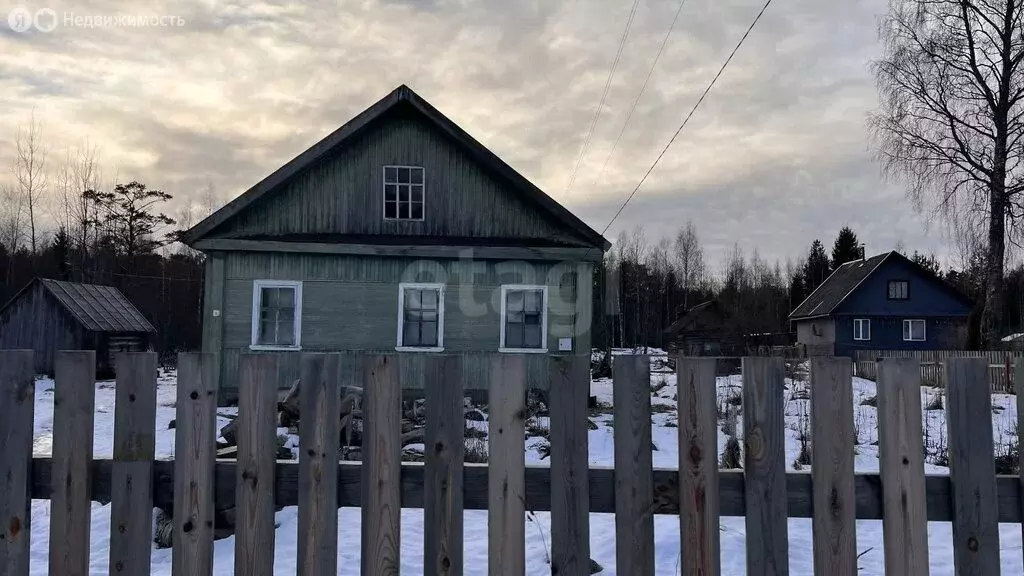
<point x="351" y="303"/>
<point x="35" y="322"/>
<point x="344" y="194"/>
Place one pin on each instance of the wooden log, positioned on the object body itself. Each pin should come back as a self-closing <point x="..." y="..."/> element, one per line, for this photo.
<point x="634" y="472"/>
<point x="74" y="398"/>
<point x="901" y="462"/>
<point x="445" y="448"/>
<point x="832" y="445"/>
<point x="131" y="511"/>
<point x="318" y="471"/>
<point x="765" y="466"/>
<point x="506" y="477"/>
<point x="257" y="451"/>
<point x="570" y="519"/>
<point x="698" y="466"/>
<point x="194" y="458"/>
<point x="17" y="403"/>
<point x="972" y="468"/>
<point x="382" y="466"/>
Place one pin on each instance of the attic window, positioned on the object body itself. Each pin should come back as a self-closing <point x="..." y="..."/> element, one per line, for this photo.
<point x="403" y="193"/>
<point x="899" y="290"/>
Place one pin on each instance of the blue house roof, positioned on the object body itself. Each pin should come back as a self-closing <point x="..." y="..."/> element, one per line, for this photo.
<point x="840" y="290"/>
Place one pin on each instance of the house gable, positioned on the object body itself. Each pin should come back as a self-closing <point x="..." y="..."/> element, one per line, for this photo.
<point x="928" y="296"/>
<point x="334" y="192"/>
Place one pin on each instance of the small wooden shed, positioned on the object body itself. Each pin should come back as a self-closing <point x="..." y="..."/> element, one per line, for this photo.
<point x="50" y="315"/>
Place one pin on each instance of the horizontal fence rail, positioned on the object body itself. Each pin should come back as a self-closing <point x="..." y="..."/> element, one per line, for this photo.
<point x="973" y="498"/>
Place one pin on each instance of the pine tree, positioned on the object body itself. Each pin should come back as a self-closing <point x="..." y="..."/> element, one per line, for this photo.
<point x="846" y="248"/>
<point x="928" y="262"/>
<point x="817" y="267"/>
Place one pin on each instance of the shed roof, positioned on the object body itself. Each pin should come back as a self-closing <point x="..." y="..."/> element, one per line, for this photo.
<point x="96" y="308"/>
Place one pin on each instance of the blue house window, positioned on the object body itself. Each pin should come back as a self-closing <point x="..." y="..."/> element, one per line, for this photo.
<point x="862" y="329"/>
<point x="899" y="290"/>
<point x="913" y="330"/>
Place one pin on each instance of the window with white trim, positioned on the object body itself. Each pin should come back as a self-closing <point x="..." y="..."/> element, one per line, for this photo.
<point x="403" y="193"/>
<point x="914" y="330"/>
<point x="524" y="318"/>
<point x="420" y="317"/>
<point x="276" y="314"/>
<point x="862" y="329"/>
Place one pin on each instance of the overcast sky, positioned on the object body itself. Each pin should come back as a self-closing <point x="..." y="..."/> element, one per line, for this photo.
<point x="777" y="156"/>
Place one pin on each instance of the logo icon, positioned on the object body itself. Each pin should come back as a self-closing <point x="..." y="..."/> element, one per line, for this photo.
<point x="45" y="20"/>
<point x="20" y="19"/>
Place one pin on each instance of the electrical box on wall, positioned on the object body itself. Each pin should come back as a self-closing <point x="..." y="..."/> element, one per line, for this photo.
<point x="565" y="344"/>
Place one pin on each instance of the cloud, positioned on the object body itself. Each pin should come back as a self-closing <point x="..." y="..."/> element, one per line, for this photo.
<point x="777" y="156"/>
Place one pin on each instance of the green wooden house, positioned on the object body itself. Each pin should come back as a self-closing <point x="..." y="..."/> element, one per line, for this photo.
<point x="397" y="232"/>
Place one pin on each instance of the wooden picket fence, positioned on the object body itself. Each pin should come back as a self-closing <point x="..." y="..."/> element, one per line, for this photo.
<point x="932" y="362"/>
<point x="973" y="498"/>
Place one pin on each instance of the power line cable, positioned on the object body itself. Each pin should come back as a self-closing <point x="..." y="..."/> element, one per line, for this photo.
<point x="604" y="94"/>
<point x="690" y="115"/>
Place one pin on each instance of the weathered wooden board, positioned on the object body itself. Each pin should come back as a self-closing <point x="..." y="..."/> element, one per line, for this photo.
<point x="17" y="403"/>
<point x="131" y="513"/>
<point x="505" y="493"/>
<point x="634" y="480"/>
<point x="74" y="398"/>
<point x="901" y="462"/>
<point x="570" y="518"/>
<point x="194" y="458"/>
<point x="382" y="466"/>
<point x="318" y="472"/>
<point x="972" y="468"/>
<point x="1019" y="390"/>
<point x="765" y="467"/>
<point x="257" y="447"/>
<point x="445" y="448"/>
<point x="698" y="466"/>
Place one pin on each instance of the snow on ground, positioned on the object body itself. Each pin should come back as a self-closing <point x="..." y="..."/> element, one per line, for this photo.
<point x="602" y="528"/>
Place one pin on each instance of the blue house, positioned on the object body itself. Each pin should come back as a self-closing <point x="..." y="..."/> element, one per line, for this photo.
<point x="886" y="302"/>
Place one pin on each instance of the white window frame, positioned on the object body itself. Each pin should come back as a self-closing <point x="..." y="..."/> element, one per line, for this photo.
<point x="383" y="194"/>
<point x="862" y="323"/>
<point x="908" y="330"/>
<point x="505" y="289"/>
<point x="257" y="293"/>
<point x="399" y="346"/>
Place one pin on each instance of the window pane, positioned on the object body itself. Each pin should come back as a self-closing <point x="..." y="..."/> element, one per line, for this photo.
<point x="413" y="299"/>
<point x="428" y="333"/>
<point x="403" y="193"/>
<point x="416" y="193"/>
<point x="513" y="336"/>
<point x="268" y="298"/>
<point x="531" y="319"/>
<point x="403" y="210"/>
<point x="515" y="301"/>
<point x="906" y="330"/>
<point x="266" y="335"/>
<point x="390" y="192"/>
<point x="403" y="175"/>
<point x="429" y="299"/>
<point x="515" y="317"/>
<point x="411" y="334"/>
<point x="285" y="332"/>
<point x="533" y="301"/>
<point x="417" y="211"/>
<point x="417" y="175"/>
<point x="390" y="175"/>
<point x="286" y="297"/>
<point x="390" y="210"/>
<point x="531" y="337"/>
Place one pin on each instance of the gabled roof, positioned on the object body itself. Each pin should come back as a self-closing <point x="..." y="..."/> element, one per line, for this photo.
<point x="692" y="314"/>
<point x="401" y="96"/>
<point x="845" y="279"/>
<point x="96" y="308"/>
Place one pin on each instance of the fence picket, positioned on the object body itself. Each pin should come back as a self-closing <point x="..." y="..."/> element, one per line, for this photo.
<point x="17" y="404"/>
<point x="318" y="464"/>
<point x="131" y="509"/>
<point x="764" y="466"/>
<point x="901" y="462"/>
<point x="445" y="447"/>
<point x="382" y="461"/>
<point x="506" y="466"/>
<point x="570" y="491"/>
<point x="634" y="472"/>
<point x="972" y="468"/>
<point x="194" y="458"/>
<point x="1018" y="375"/>
<point x="832" y="442"/>
<point x="698" y="466"/>
<point x="257" y="444"/>
<point x="74" y="399"/>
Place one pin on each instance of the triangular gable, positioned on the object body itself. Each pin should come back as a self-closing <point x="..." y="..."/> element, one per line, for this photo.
<point x="356" y="127"/>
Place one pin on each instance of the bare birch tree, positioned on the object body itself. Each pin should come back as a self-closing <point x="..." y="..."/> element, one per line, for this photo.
<point x="30" y="171"/>
<point x="689" y="261"/>
<point x="951" y="122"/>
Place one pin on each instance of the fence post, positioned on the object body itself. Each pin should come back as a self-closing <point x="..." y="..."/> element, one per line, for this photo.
<point x="506" y="467"/>
<point x="194" y="456"/>
<point x="1018" y="377"/>
<point x="901" y="463"/>
<point x="634" y="472"/>
<point x="570" y="487"/>
<point x="764" y="466"/>
<point x="318" y="464"/>
<point x="17" y="403"/>
<point x="257" y="444"/>
<point x="444" y="446"/>
<point x="74" y="398"/>
<point x="382" y="462"/>
<point x="131" y="484"/>
<point x="972" y="467"/>
<point x="698" y="466"/>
